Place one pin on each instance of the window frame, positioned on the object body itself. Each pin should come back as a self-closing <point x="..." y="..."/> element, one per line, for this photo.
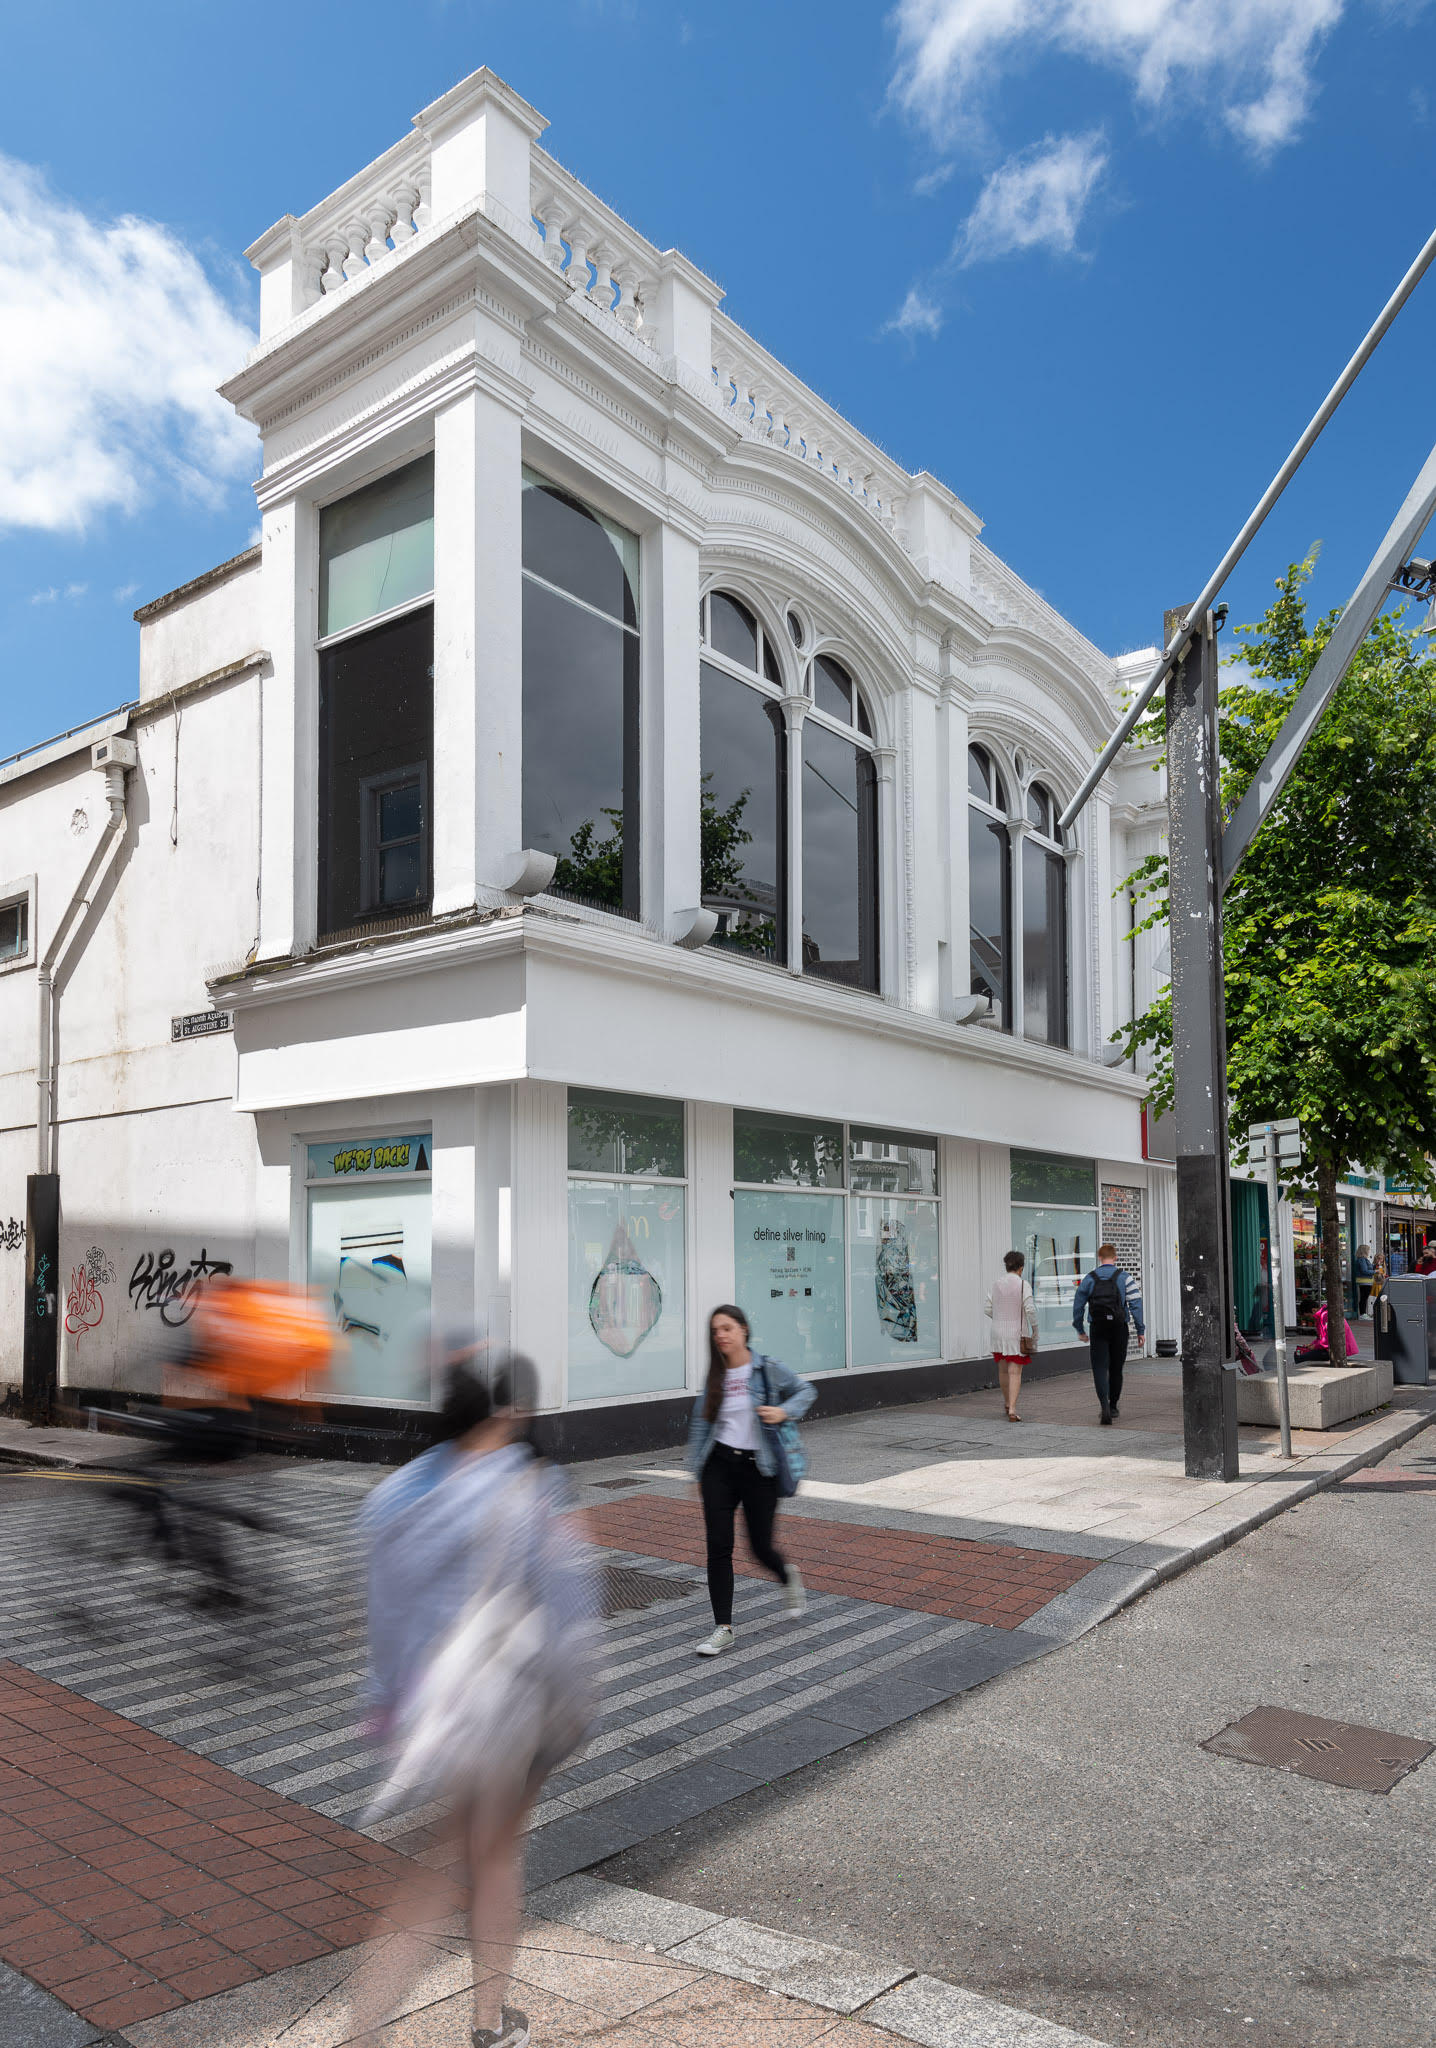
<point x="20" y="893"/>
<point x="372" y="788"/>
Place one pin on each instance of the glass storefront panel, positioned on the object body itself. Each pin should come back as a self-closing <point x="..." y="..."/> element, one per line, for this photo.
<point x="894" y="1280"/>
<point x="1061" y="1247"/>
<point x="626" y="1310"/>
<point x="1306" y="1261"/>
<point x="788" y="1259"/>
<point x="624" y="1134"/>
<point x="891" y="1163"/>
<point x="1053" y="1177"/>
<point x="369" y="1253"/>
<point x="786" y="1151"/>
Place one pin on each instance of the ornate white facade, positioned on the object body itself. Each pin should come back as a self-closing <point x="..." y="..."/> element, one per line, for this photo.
<point x="466" y="300"/>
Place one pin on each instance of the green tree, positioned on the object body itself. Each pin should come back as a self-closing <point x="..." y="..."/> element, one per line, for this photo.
<point x="1330" y="923"/>
<point x="593" y="868"/>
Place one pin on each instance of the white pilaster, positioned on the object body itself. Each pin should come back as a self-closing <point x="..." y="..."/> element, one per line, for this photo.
<point x="795" y="710"/>
<point x="456" y="574"/>
<point x="923" y="859"/>
<point x="496" y="764"/>
<point x="1016" y="834"/>
<point x="671" y="768"/>
<point x="955" y="941"/>
<point x="289" y="791"/>
<point x="540" y="1232"/>
<point x="493" y="1215"/>
<point x="710" y="1226"/>
<point x="994" y="1233"/>
<point x="455" y="1216"/>
<point x="964" y="1285"/>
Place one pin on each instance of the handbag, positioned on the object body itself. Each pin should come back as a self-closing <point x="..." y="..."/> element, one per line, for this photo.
<point x="1027" y="1341"/>
<point x="789" y="1460"/>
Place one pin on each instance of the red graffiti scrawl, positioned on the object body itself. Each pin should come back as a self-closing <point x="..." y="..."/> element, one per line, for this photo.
<point x="84" y="1304"/>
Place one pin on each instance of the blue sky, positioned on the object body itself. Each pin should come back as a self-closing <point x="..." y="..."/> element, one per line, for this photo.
<point x="1095" y="277"/>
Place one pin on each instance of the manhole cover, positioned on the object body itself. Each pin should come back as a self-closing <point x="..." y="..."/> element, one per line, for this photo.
<point x="937" y="1447"/>
<point x="1365" y="1759"/>
<point x="626" y="1591"/>
<point x="613" y="1485"/>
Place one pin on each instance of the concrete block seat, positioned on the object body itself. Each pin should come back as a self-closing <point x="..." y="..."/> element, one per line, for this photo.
<point x="1321" y="1395"/>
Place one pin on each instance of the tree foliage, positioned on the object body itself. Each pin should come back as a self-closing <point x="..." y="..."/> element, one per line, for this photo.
<point x="1329" y="925"/>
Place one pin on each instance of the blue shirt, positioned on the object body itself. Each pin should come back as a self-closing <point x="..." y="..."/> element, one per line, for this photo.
<point x="1127" y="1288"/>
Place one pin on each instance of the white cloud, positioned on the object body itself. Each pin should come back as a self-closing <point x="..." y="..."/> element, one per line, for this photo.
<point x="1250" y="59"/>
<point x="113" y="340"/>
<point x="916" y="315"/>
<point x="1035" y="200"/>
<point x="49" y="596"/>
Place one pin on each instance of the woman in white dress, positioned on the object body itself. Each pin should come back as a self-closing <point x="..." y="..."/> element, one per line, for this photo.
<point x="1013" y="1313"/>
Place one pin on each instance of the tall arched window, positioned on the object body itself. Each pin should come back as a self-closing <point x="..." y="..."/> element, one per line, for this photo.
<point x="580" y="695"/>
<point x="1044" y="922"/>
<point x="989" y="886"/>
<point x="840" y="832"/>
<point x="748" y="751"/>
<point x="744" y="801"/>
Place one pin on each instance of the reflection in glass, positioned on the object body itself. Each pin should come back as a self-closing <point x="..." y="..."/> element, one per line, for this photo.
<point x="889" y="1162"/>
<point x="787" y="1150"/>
<point x="840" y="859"/>
<point x="629" y="1134"/>
<point x="833" y="689"/>
<point x="983" y="779"/>
<point x="732" y="629"/>
<point x="742" y="816"/>
<point x="1061" y="1247"/>
<point x="1053" y="1177"/>
<point x="1044" y="944"/>
<point x="376" y="718"/>
<point x="579" y="550"/>
<point x="990" y="913"/>
<point x="376" y="547"/>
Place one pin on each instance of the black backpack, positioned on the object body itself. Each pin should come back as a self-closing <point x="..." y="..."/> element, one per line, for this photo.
<point x="1106" y="1306"/>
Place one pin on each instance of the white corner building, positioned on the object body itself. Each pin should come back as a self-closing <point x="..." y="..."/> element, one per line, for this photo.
<point x="596" y="859"/>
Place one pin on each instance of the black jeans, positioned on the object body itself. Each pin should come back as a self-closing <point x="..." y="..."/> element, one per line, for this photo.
<point x="731" y="1480"/>
<point x="1109" y="1356"/>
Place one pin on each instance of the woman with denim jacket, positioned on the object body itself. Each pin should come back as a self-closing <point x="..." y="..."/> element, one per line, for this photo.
<point x="730" y="1456"/>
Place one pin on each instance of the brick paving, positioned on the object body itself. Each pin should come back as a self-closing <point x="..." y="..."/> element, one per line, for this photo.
<point x="136" y="1877"/>
<point x="996" y="1583"/>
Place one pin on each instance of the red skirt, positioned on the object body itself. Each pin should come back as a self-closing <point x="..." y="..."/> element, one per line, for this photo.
<point x="1010" y="1357"/>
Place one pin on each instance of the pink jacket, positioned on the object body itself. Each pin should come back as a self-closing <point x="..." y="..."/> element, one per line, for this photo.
<point x="1351" y="1344"/>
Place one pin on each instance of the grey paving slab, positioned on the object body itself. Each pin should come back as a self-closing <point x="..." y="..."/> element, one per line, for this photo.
<point x="618" y="1913"/>
<point x="878" y="1704"/>
<point x="940" y="2015"/>
<point x="785" y="1747"/>
<point x="791" y="1964"/>
<point x="31" y="2018"/>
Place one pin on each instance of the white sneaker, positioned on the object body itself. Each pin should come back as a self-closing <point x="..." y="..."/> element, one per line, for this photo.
<point x="714" y="1645"/>
<point x="795" y="1597"/>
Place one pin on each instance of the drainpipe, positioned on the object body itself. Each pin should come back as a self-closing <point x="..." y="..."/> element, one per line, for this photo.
<point x="116" y="756"/>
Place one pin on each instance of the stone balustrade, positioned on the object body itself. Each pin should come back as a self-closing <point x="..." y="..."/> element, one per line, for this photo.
<point x="377" y="213"/>
<point x="771" y="405"/>
<point x="594" y="250"/>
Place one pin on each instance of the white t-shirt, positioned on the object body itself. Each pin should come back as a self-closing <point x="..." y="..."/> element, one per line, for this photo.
<point x="737" y="1424"/>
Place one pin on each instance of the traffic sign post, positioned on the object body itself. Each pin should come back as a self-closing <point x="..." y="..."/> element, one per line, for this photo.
<point x="1271" y="1144"/>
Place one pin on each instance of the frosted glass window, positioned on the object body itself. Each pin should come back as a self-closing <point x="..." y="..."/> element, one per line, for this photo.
<point x="369" y="1260"/>
<point x="788" y="1270"/>
<point x="626" y="1315"/>
<point x="894" y="1283"/>
<point x="1061" y="1247"/>
<point x="376" y="548"/>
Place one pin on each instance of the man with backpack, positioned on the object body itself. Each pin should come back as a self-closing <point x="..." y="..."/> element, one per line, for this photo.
<point x="1106" y="1298"/>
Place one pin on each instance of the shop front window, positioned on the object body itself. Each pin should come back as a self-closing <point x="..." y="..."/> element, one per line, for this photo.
<point x="369" y="1214"/>
<point x="627" y="1243"/>
<point x="1055" y="1223"/>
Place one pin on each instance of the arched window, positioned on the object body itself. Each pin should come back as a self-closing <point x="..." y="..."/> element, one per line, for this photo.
<point x="747" y="753"/>
<point x="1044" y="922"/>
<point x="580" y="695"/>
<point x="989" y="886"/>
<point x="840" y="832"/>
<point x="744" y="804"/>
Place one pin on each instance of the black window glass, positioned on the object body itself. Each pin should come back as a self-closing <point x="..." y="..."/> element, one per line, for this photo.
<point x="840" y="911"/>
<point x="786" y="1151"/>
<point x="795" y="629"/>
<point x="770" y="666"/>
<point x="989" y="912"/>
<point x="979" y="774"/>
<point x="732" y="629"/>
<point x="1044" y="944"/>
<point x="1037" y="807"/>
<point x="568" y="545"/>
<point x="865" y="724"/>
<point x="1052" y="1179"/>
<point x="741" y="818"/>
<point x="376" y="721"/>
<point x="14" y="920"/>
<point x="580" y="797"/>
<point x="833" y="689"/>
<point x="397" y="826"/>
<point x="628" y="1134"/>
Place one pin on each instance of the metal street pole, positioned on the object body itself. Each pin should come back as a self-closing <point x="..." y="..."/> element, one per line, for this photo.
<point x="1199" y="1056"/>
<point x="1278" y="1288"/>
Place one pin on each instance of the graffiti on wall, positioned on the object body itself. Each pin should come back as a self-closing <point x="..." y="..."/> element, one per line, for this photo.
<point x="85" y="1304"/>
<point x="12" y="1235"/>
<point x="158" y="1282"/>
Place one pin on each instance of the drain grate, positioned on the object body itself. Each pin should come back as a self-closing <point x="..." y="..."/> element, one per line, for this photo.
<point x="613" y="1485"/>
<point x="938" y="1447"/>
<point x="627" y="1591"/>
<point x="1336" y="1752"/>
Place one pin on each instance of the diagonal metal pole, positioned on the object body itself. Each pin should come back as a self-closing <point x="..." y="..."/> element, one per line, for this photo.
<point x="1178" y="640"/>
<point x="1331" y="666"/>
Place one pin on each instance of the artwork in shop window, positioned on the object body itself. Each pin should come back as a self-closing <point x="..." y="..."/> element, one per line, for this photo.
<point x="893" y="1283"/>
<point x="625" y="1300"/>
<point x="371" y="1273"/>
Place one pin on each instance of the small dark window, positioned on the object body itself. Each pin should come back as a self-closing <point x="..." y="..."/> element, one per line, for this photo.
<point x="394" y="830"/>
<point x="1038" y="809"/>
<point x="984" y="780"/>
<point x="14" y="929"/>
<point x="795" y="628"/>
<point x="376" y="723"/>
<point x="732" y="629"/>
<point x="770" y="666"/>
